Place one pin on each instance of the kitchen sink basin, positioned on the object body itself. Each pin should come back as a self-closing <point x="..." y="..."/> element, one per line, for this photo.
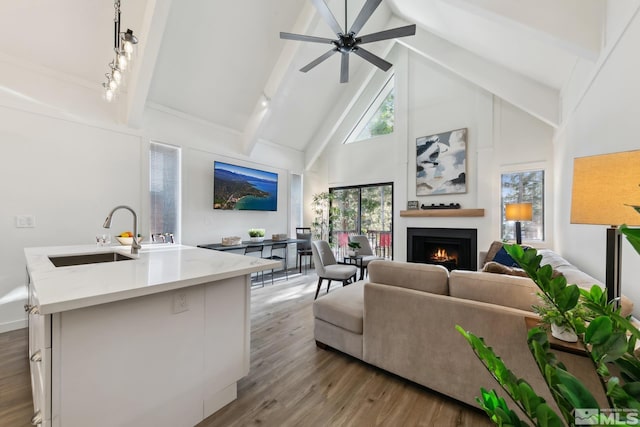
<point x="69" y="260"/>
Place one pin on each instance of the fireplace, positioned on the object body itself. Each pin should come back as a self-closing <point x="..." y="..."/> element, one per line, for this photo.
<point x="453" y="248"/>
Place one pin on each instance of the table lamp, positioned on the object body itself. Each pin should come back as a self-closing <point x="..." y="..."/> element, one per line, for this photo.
<point x="603" y="188"/>
<point x="518" y="212"/>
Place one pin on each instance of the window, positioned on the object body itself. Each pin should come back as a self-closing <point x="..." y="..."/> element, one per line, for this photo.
<point x="379" y="117"/>
<point x="524" y="187"/>
<point x="367" y="210"/>
<point x="164" y="189"/>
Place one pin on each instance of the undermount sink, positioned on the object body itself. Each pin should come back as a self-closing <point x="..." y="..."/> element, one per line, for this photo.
<point x="69" y="260"/>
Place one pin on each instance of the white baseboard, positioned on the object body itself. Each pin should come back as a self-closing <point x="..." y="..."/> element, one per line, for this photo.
<point x="12" y="326"/>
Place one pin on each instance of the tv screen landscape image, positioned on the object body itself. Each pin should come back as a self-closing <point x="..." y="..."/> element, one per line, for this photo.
<point x="241" y="188"/>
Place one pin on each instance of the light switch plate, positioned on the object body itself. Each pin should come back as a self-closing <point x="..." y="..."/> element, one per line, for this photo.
<point x="25" y="221"/>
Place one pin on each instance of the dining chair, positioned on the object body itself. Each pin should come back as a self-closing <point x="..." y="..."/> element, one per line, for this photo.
<point x="303" y="249"/>
<point x="327" y="267"/>
<point x="284" y="255"/>
<point x="255" y="249"/>
<point x="366" y="251"/>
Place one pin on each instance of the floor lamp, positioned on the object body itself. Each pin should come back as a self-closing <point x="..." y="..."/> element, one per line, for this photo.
<point x="518" y="212"/>
<point x="603" y="188"/>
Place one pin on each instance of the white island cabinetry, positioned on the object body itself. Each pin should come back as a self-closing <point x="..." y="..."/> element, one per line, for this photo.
<point x="164" y="349"/>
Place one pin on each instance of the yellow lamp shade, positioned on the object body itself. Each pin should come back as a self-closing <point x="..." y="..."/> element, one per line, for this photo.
<point x="605" y="189"/>
<point x="518" y="211"/>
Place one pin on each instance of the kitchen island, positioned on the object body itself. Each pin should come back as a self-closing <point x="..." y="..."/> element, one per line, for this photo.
<point x="159" y="338"/>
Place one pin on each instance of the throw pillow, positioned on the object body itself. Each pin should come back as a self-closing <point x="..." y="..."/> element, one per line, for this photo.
<point x="493" y="250"/>
<point x="495" y="267"/>
<point x="504" y="258"/>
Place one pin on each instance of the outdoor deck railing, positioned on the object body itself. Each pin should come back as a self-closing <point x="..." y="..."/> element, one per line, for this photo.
<point x="381" y="242"/>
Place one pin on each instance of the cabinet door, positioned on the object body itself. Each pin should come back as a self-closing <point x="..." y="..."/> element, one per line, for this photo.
<point x="227" y="339"/>
<point x="132" y="362"/>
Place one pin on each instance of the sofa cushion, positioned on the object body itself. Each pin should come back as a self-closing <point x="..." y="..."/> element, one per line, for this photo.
<point x="342" y="307"/>
<point x="504" y="290"/>
<point x="421" y="277"/>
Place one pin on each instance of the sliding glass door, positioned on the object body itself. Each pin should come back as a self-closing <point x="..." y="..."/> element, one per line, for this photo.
<point x="366" y="210"/>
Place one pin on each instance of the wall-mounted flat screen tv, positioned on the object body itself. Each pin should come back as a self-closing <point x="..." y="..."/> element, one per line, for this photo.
<point x="240" y="188"/>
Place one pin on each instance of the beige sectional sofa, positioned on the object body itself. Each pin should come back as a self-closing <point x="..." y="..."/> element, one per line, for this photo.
<point x="403" y="320"/>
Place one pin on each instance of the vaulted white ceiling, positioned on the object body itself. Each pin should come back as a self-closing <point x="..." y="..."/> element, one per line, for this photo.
<point x="213" y="60"/>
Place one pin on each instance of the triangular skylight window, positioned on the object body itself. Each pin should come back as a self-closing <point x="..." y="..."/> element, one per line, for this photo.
<point x="379" y="117"/>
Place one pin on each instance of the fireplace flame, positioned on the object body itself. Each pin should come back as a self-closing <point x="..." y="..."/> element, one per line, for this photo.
<point x="441" y="255"/>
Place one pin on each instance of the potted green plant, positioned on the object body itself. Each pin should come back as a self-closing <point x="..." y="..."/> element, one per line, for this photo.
<point x="354" y="248"/>
<point x="608" y="338"/>
<point x="556" y="322"/>
<point x="322" y="215"/>
<point x="256" y="234"/>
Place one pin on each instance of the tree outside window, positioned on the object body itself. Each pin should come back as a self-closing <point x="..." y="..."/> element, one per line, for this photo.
<point x="380" y="116"/>
<point x="524" y="187"/>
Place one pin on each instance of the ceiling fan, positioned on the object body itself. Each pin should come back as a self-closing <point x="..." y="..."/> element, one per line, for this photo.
<point x="348" y="42"/>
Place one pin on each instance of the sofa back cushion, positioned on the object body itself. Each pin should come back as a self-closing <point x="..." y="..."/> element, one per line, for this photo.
<point x="421" y="277"/>
<point x="500" y="289"/>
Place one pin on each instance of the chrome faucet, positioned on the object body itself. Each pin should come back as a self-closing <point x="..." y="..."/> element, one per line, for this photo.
<point x="135" y="246"/>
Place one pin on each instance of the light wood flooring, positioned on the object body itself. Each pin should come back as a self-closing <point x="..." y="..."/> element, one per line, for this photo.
<point x="291" y="381"/>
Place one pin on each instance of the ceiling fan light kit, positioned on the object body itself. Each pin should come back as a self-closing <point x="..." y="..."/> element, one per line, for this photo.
<point x="123" y="47"/>
<point x="348" y="42"/>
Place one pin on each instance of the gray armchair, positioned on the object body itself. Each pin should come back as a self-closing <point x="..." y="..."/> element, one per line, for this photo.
<point x="365" y="250"/>
<point x="327" y="267"/>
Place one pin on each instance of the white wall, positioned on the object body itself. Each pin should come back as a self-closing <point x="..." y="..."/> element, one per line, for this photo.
<point x="430" y="100"/>
<point x="602" y="119"/>
<point x="70" y="174"/>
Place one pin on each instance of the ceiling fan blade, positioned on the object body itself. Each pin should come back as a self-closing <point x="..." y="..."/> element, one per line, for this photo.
<point x="318" y="60"/>
<point x="326" y="14"/>
<point x="344" y="68"/>
<point x="365" y="13"/>
<point x="374" y="59"/>
<point x="304" y="38"/>
<point x="409" y="30"/>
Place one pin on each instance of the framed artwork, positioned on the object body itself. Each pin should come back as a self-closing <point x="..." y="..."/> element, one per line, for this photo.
<point x="412" y="204"/>
<point x="441" y="163"/>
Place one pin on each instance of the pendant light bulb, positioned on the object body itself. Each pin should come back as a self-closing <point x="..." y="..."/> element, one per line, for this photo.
<point x="117" y="75"/>
<point x="108" y="95"/>
<point x="113" y="85"/>
<point x="128" y="47"/>
<point x="122" y="61"/>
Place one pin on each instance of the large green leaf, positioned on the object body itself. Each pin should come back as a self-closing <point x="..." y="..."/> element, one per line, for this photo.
<point x="629" y="368"/>
<point x="599" y="330"/>
<point x="632" y="389"/>
<point x="620" y="397"/>
<point x="567" y="298"/>
<point x="613" y="348"/>
<point x="633" y="235"/>
<point x="574" y="391"/>
<point x="547" y="418"/>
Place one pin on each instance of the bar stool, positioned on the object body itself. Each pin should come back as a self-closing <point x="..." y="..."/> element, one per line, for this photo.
<point x="283" y="257"/>
<point x="303" y="249"/>
<point x="255" y="249"/>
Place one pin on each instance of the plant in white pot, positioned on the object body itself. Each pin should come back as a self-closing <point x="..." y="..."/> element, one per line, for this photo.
<point x="354" y="246"/>
<point x="256" y="234"/>
<point x="554" y="319"/>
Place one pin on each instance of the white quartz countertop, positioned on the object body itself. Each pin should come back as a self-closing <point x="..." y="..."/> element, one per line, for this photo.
<point x="157" y="268"/>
